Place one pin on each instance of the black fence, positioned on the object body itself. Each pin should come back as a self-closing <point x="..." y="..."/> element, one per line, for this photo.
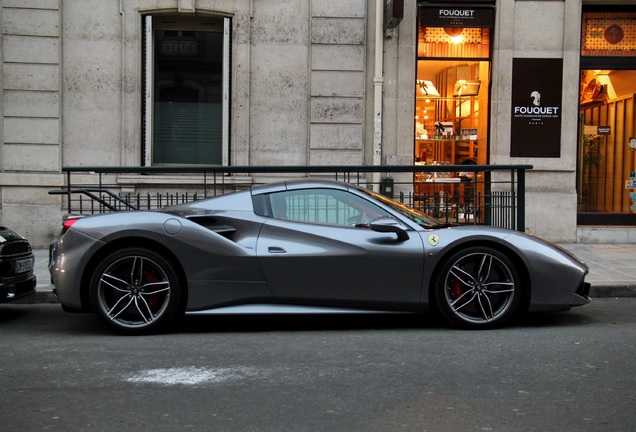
<point x="463" y="194"/>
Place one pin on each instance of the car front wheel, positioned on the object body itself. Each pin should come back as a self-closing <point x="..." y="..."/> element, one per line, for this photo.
<point x="136" y="291"/>
<point x="478" y="288"/>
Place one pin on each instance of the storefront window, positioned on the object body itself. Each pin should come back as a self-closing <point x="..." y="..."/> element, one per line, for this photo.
<point x="451" y="106"/>
<point x="607" y="136"/>
<point x="453" y="70"/>
<point x="451" y="112"/>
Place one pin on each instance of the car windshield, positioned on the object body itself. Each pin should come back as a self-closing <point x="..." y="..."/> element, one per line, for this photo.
<point x="416" y="216"/>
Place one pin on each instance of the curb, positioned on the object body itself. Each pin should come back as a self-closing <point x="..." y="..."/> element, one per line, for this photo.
<point x="37" y="297"/>
<point x="606" y="291"/>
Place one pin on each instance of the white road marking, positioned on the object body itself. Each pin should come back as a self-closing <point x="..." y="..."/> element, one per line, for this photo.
<point x="187" y="375"/>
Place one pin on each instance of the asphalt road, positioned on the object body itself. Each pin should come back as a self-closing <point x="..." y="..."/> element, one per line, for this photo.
<point x="573" y="371"/>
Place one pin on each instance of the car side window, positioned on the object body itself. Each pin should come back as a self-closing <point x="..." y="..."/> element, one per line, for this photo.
<point x="324" y="206"/>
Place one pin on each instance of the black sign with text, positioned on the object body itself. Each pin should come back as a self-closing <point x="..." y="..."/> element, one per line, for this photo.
<point x="537" y="85"/>
<point x="449" y="15"/>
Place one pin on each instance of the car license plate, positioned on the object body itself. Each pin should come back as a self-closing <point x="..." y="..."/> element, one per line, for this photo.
<point x="23" y="265"/>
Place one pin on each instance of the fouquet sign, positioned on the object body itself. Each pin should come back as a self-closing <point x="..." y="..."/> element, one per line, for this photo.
<point x="536" y="107"/>
<point x="457" y="16"/>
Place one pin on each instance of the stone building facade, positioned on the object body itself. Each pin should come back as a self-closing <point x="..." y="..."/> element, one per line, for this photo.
<point x="297" y="84"/>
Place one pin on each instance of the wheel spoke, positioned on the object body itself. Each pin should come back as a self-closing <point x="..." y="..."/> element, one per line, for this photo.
<point x="137" y="270"/>
<point x="461" y="300"/>
<point x="109" y="312"/>
<point x="485" y="314"/>
<point x="460" y="274"/>
<point x="484" y="269"/>
<point x="106" y="278"/>
<point x="499" y="291"/>
<point x="141" y="313"/>
<point x="155" y="284"/>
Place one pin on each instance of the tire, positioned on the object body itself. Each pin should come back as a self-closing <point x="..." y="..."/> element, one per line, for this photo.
<point x="136" y="291"/>
<point x="478" y="288"/>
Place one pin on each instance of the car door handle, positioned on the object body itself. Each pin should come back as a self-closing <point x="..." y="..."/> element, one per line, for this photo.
<point x="276" y="249"/>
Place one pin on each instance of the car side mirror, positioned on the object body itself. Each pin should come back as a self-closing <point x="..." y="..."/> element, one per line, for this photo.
<point x="386" y="224"/>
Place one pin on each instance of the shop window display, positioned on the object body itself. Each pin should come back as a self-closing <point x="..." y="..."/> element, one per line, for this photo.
<point x="451" y="109"/>
<point x="606" y="156"/>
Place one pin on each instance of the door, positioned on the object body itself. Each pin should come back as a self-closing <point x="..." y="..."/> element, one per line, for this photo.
<point x="330" y="256"/>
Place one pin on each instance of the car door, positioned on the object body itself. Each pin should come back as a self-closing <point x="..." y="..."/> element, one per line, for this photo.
<point x="318" y="258"/>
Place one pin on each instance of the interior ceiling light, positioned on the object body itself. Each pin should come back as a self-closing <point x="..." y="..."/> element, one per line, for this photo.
<point x="455" y="34"/>
<point x="453" y="31"/>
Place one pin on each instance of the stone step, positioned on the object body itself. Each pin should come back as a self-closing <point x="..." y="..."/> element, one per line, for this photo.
<point x="594" y="234"/>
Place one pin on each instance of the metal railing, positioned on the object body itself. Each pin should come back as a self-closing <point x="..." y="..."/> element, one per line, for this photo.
<point x="463" y="194"/>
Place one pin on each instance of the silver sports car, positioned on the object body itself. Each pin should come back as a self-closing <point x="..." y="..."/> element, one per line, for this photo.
<point x="304" y="247"/>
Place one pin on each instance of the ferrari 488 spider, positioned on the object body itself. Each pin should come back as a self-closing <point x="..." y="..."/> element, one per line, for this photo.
<point x="304" y="246"/>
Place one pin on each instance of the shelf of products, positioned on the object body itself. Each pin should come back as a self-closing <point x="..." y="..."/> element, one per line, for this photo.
<point x="453" y="151"/>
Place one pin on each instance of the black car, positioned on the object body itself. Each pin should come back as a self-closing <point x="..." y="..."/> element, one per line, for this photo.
<point x="16" y="266"/>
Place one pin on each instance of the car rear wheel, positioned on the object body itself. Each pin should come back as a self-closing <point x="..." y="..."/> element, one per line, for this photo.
<point x="478" y="288"/>
<point x="136" y="291"/>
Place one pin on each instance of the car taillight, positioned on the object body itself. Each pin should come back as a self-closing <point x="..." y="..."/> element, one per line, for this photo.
<point x="68" y="222"/>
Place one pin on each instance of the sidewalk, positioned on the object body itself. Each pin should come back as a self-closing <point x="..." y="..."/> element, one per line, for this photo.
<point x="612" y="267"/>
<point x="612" y="271"/>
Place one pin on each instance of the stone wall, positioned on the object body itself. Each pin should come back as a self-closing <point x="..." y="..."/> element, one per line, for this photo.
<point x="302" y="81"/>
<point x="539" y="30"/>
<point x="72" y="89"/>
<point x="337" y="89"/>
<point x="31" y="113"/>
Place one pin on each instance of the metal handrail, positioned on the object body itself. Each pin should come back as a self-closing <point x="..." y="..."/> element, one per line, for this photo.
<point x="290" y="169"/>
<point x="92" y="193"/>
<point x="215" y="176"/>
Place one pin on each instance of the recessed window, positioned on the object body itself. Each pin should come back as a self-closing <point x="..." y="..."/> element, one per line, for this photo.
<point x="186" y="109"/>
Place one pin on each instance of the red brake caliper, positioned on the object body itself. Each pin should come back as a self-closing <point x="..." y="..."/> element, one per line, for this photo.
<point x="153" y="301"/>
<point x="456" y="289"/>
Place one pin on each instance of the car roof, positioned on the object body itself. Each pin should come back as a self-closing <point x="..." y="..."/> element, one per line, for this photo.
<point x="298" y="185"/>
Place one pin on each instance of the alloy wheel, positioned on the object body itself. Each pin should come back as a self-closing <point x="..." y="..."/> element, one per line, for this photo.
<point x="135" y="292"/>
<point x="480" y="289"/>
